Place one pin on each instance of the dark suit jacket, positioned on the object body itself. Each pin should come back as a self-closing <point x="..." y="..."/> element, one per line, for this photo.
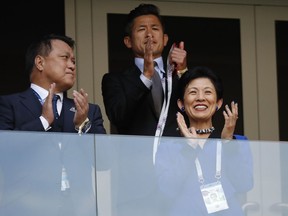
<point x="129" y="104"/>
<point x="178" y="182"/>
<point x="21" y="111"/>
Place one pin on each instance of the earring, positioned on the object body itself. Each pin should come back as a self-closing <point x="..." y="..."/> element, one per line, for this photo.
<point x="216" y="108"/>
<point x="183" y="109"/>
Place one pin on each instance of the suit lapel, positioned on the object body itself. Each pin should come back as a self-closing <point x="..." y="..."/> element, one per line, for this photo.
<point x="29" y="100"/>
<point x="68" y="112"/>
<point x="150" y="98"/>
<point x="132" y="75"/>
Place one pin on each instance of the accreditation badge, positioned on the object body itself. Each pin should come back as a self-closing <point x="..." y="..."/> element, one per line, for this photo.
<point x="214" y="197"/>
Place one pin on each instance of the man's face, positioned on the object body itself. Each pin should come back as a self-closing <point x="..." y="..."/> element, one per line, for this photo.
<point x="145" y="27"/>
<point x="59" y="66"/>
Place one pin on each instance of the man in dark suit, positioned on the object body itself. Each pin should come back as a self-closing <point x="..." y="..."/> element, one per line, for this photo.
<point x="51" y="64"/>
<point x="53" y="170"/>
<point x="130" y="104"/>
<point x="128" y="96"/>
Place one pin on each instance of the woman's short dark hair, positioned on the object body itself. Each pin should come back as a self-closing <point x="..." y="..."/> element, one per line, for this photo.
<point x="200" y="72"/>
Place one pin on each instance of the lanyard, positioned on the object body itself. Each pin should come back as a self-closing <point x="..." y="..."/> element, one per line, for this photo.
<point x="39" y="98"/>
<point x="165" y="107"/>
<point x="218" y="164"/>
<point x="43" y="100"/>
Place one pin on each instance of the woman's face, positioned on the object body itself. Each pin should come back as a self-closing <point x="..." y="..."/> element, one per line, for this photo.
<point x="200" y="99"/>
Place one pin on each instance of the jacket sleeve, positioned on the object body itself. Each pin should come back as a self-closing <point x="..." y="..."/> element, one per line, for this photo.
<point x="12" y="116"/>
<point x="122" y="95"/>
<point x="238" y="161"/>
<point x="96" y="119"/>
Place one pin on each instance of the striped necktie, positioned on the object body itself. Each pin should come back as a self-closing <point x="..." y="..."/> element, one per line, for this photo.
<point x="157" y="91"/>
<point x="54" y="103"/>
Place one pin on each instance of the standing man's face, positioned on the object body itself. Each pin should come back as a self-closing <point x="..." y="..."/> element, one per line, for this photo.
<point x="145" y="27"/>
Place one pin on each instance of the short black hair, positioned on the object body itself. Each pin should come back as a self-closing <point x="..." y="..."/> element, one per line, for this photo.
<point x="42" y="46"/>
<point x="142" y="9"/>
<point x="200" y="72"/>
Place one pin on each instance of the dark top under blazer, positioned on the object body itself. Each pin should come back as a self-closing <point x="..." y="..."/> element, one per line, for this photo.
<point x="178" y="181"/>
<point x="129" y="104"/>
<point x="21" y="111"/>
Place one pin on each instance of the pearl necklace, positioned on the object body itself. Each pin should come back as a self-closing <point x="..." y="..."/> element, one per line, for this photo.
<point x="204" y="131"/>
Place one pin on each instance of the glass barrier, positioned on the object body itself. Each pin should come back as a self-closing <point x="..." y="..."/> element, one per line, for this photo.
<point x="46" y="174"/>
<point x="117" y="175"/>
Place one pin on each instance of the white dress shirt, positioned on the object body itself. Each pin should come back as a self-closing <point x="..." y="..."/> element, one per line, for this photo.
<point x="42" y="94"/>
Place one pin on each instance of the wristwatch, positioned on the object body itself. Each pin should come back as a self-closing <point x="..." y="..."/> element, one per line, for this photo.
<point x="84" y="127"/>
<point x="181" y="72"/>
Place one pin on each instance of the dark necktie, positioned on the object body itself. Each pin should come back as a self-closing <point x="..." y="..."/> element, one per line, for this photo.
<point x="157" y="91"/>
<point x="54" y="103"/>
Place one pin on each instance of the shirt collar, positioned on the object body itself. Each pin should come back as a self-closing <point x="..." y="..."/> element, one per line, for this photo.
<point x="43" y="93"/>
<point x="140" y="63"/>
